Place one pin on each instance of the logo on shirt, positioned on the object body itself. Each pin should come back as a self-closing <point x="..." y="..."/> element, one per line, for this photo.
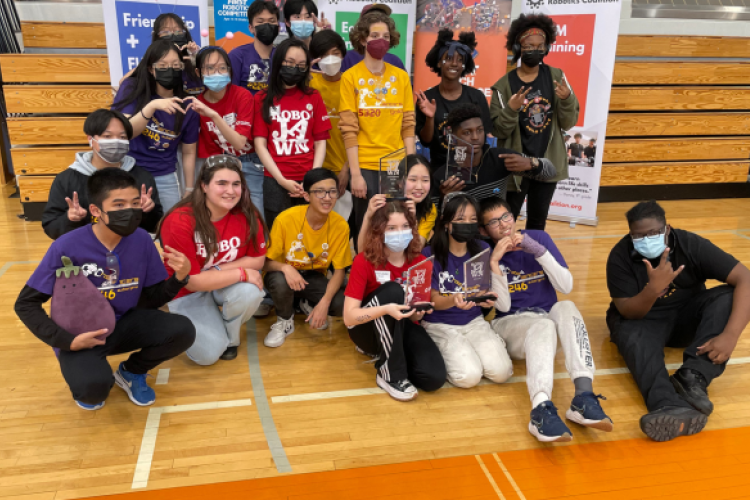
<point x="230" y="249"/>
<point x="257" y="76"/>
<point x="156" y="132"/>
<point x="110" y="285"/>
<point x="220" y="140"/>
<point x="519" y="281"/>
<point x="446" y="279"/>
<point x="290" y="139"/>
<point x="537" y="113"/>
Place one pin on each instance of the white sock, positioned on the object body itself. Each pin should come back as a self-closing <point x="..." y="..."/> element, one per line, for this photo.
<point x="538" y="399"/>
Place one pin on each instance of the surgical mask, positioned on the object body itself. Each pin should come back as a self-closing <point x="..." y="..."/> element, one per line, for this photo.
<point x="291" y="75"/>
<point x="112" y="150"/>
<point x="532" y="58"/>
<point x="330" y="65"/>
<point x="169" y="78"/>
<point x="651" y="248"/>
<point x="216" y="82"/>
<point x="124" y="222"/>
<point x="303" y="29"/>
<point x="464" y="231"/>
<point x="398" y="241"/>
<point x="266" y="33"/>
<point x="378" y="48"/>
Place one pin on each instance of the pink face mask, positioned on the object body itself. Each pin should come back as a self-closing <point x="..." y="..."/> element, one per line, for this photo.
<point x="377" y="48"/>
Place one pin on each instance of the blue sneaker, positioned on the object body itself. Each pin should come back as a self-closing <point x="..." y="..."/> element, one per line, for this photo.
<point x="547" y="426"/>
<point x="135" y="385"/>
<point x="585" y="410"/>
<point x="89" y="407"/>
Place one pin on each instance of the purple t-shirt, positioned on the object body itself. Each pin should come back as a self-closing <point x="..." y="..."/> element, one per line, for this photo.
<point x="447" y="282"/>
<point x="353" y="58"/>
<point x="249" y="70"/>
<point x="138" y="260"/>
<point x="155" y="149"/>
<point x="527" y="282"/>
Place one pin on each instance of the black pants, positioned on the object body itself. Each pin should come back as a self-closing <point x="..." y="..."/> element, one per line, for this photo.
<point x="276" y="199"/>
<point x="537" y="206"/>
<point x="159" y="335"/>
<point x="359" y="205"/>
<point x="641" y="342"/>
<point x="283" y="296"/>
<point x="404" y="347"/>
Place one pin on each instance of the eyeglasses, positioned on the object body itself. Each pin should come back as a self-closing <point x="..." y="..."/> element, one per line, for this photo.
<point x="506" y="217"/>
<point x="222" y="161"/>
<point x="164" y="66"/>
<point x="301" y="66"/>
<point x="164" y="33"/>
<point x="651" y="235"/>
<point x="321" y="193"/>
<point x="212" y="70"/>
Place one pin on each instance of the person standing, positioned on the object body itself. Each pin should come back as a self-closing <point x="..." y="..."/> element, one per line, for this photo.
<point x="251" y="63"/>
<point x="353" y="57"/>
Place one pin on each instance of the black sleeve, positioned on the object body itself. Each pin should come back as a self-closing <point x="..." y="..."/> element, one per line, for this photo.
<point x="421" y="119"/>
<point x="155" y="296"/>
<point x="151" y="219"/>
<point x="55" y="220"/>
<point x="621" y="281"/>
<point x="481" y="101"/>
<point x="29" y="310"/>
<point x="713" y="262"/>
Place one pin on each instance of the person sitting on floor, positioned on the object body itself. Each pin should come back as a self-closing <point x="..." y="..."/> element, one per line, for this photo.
<point x="656" y="277"/>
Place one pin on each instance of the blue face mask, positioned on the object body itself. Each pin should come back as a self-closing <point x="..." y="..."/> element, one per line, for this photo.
<point x="303" y="29"/>
<point x="216" y="82"/>
<point x="397" y="241"/>
<point x="651" y="248"/>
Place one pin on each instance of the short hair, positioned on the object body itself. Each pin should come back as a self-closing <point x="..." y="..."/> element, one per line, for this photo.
<point x="106" y="180"/>
<point x="98" y="121"/>
<point x="490" y="204"/>
<point x="317" y="175"/>
<point x="294" y="7"/>
<point x="461" y="113"/>
<point x="578" y="136"/>
<point x="646" y="210"/>
<point x="526" y="22"/>
<point x="259" y="6"/>
<point x="592" y="140"/>
<point x="444" y="37"/>
<point x="204" y="54"/>
<point x="359" y="32"/>
<point x="325" y="40"/>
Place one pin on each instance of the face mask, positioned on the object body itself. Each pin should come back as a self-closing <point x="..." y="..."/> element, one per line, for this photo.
<point x="179" y="40"/>
<point x="303" y="29"/>
<point x="169" y="78"/>
<point x="532" y="58"/>
<point x="291" y="75"/>
<point x="266" y="33"/>
<point x="112" y="150"/>
<point x="464" y="231"/>
<point x="217" y="82"/>
<point x="330" y="65"/>
<point x="397" y="241"/>
<point x="124" y="222"/>
<point x="377" y="48"/>
<point x="651" y="248"/>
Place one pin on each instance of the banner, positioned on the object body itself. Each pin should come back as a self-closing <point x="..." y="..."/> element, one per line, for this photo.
<point x="345" y="13"/>
<point x="230" y="20"/>
<point x="488" y="19"/>
<point x="585" y="51"/>
<point x="128" y="27"/>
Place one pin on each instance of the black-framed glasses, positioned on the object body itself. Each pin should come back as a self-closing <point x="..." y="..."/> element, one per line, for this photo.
<point x="321" y="193"/>
<point x="212" y="70"/>
<point x="651" y="235"/>
<point x="293" y="64"/>
<point x="164" y="33"/>
<point x="506" y="217"/>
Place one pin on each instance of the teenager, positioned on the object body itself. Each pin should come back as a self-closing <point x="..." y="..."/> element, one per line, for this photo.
<point x="656" y="277"/>
<point x="290" y="128"/>
<point x="527" y="273"/>
<point x="301" y="18"/>
<point x="307" y="241"/>
<point x="451" y="60"/>
<point x="223" y="236"/>
<point x="377" y="110"/>
<point x="470" y="348"/>
<point x="589" y="152"/>
<point x="141" y="288"/>
<point x="152" y="99"/>
<point x="353" y="57"/>
<point x="251" y="62"/>
<point x="379" y="323"/>
<point x="576" y="148"/>
<point x="109" y="133"/>
<point x="530" y="106"/>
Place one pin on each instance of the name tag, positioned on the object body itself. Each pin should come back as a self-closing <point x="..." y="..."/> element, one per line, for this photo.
<point x="382" y="276"/>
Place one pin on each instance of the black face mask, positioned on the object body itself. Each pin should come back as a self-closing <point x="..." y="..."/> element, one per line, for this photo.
<point x="177" y="39"/>
<point x="291" y="75"/>
<point x="267" y="33"/>
<point x="532" y="58"/>
<point x="464" y="231"/>
<point x="169" y="78"/>
<point x="124" y="222"/>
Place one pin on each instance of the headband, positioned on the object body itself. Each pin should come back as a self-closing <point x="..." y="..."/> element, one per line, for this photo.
<point x="532" y="32"/>
<point x="453" y="46"/>
<point x="450" y="196"/>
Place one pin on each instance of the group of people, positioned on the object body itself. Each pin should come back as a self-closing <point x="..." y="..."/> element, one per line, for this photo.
<point x="282" y="133"/>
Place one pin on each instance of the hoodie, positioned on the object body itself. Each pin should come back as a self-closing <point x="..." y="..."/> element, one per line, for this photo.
<point x="75" y="179"/>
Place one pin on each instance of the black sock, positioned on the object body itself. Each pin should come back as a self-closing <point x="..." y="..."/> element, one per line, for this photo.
<point x="583" y="384"/>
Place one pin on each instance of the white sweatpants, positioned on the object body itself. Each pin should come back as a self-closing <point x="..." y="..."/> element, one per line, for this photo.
<point x="534" y="338"/>
<point x="471" y="351"/>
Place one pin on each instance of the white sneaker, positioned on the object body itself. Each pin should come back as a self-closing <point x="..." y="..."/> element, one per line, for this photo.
<point x="279" y="332"/>
<point x="262" y="311"/>
<point x="307" y="309"/>
<point x="400" y="391"/>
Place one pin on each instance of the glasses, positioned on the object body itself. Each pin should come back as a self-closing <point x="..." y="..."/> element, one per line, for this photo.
<point x="300" y="66"/>
<point x="651" y="235"/>
<point x="164" y="66"/>
<point x="506" y="217"/>
<point x="164" y="33"/>
<point x="223" y="161"/>
<point x="212" y="70"/>
<point x="321" y="193"/>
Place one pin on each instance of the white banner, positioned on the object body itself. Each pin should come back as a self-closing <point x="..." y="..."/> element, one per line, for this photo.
<point x="585" y="51"/>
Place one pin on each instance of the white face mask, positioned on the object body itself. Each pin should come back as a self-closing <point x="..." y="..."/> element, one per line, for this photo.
<point x="330" y="65"/>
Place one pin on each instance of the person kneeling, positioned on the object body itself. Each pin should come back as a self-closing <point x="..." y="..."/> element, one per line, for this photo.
<point x="530" y="319"/>
<point x="379" y="323"/>
<point x="136" y="286"/>
<point x="306" y="241"/>
<point x="223" y="235"/>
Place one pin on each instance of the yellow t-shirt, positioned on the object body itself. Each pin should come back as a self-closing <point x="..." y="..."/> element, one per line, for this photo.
<point x="331" y="93"/>
<point x="379" y="103"/>
<point x="293" y="240"/>
<point x="426" y="225"/>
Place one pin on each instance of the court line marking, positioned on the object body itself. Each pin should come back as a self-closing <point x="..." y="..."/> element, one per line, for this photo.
<point x="8" y="265"/>
<point x="509" y="477"/>
<point x="490" y="478"/>
<point x="162" y="377"/>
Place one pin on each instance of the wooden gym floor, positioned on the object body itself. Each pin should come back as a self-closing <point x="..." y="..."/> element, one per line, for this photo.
<point x="306" y="421"/>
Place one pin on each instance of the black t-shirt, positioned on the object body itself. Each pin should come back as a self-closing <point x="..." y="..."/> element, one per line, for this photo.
<point x="589" y="151"/>
<point x="437" y="146"/>
<point x="535" y="117"/>
<point x="627" y="276"/>
<point x="576" y="150"/>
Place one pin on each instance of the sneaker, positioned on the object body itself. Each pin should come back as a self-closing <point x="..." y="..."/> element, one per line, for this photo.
<point x="135" y="385"/>
<point x="585" y="410"/>
<point x="693" y="388"/>
<point x="262" y="311"/>
<point x="279" y="332"/>
<point x="670" y="422"/>
<point x="547" y="426"/>
<point x="89" y="407"/>
<point x="307" y="309"/>
<point x="400" y="391"/>
<point x="229" y="354"/>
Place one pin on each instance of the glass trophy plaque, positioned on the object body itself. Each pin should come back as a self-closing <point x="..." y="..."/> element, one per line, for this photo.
<point x="477" y="277"/>
<point x="460" y="160"/>
<point x="418" y="282"/>
<point x="393" y="175"/>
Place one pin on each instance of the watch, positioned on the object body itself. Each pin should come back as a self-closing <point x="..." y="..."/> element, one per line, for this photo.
<point x="183" y="282"/>
<point x="534" y="162"/>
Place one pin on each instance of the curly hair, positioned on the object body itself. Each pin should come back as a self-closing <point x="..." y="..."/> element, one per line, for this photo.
<point x="375" y="243"/>
<point x="444" y="37"/>
<point x="525" y="23"/>
<point x="360" y="31"/>
<point x="461" y="113"/>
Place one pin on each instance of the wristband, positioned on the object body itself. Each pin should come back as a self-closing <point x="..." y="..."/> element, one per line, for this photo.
<point x="189" y="190"/>
<point x="243" y="276"/>
<point x="217" y="267"/>
<point x="144" y="116"/>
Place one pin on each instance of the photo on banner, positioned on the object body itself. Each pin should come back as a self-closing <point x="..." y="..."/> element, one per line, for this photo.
<point x="231" y="25"/>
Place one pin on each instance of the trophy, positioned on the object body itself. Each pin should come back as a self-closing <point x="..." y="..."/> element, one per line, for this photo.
<point x="460" y="160"/>
<point x="477" y="277"/>
<point x="418" y="282"/>
<point x="393" y="175"/>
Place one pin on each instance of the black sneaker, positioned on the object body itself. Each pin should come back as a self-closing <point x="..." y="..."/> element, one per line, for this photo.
<point x="670" y="422"/>
<point x="229" y="354"/>
<point x="400" y="391"/>
<point x="693" y="388"/>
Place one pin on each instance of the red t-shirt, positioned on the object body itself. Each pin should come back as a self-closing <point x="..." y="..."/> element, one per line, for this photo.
<point x="178" y="232"/>
<point x="297" y="122"/>
<point x="365" y="278"/>
<point x="237" y="107"/>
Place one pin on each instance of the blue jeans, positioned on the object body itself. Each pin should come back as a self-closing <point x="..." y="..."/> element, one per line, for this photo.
<point x="169" y="190"/>
<point x="253" y="171"/>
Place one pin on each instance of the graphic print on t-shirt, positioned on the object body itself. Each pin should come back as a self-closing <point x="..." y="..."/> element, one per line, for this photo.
<point x="536" y="114"/>
<point x="446" y="280"/>
<point x="110" y="282"/>
<point x="161" y="138"/>
<point x="519" y="280"/>
<point x="257" y="76"/>
<point x="291" y="138"/>
<point x="228" y="247"/>
<point x="220" y="140"/>
<point x="299" y="257"/>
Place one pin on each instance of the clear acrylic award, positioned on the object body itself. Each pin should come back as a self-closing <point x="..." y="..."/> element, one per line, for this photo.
<point x="393" y="175"/>
<point x="477" y="277"/>
<point x="460" y="160"/>
<point x="418" y="282"/>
